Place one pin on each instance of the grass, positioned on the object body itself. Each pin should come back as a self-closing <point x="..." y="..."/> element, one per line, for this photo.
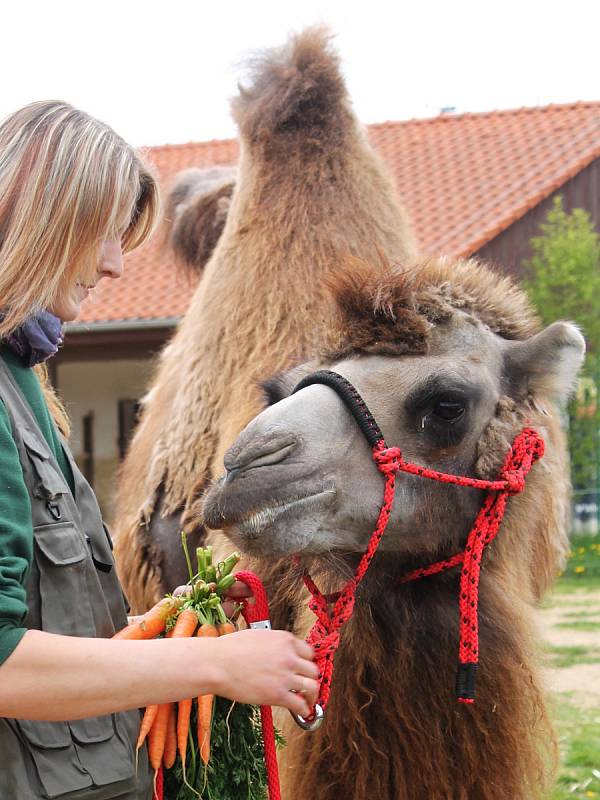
<point x="565" y="656"/>
<point x="580" y="625"/>
<point x="584" y="563"/>
<point x="578" y="728"/>
<point x="579" y="741"/>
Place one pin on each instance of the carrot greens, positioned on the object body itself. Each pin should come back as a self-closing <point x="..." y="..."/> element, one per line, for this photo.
<point x="219" y="743"/>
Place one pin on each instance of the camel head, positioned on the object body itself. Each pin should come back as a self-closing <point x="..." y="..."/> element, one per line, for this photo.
<point x="451" y="364"/>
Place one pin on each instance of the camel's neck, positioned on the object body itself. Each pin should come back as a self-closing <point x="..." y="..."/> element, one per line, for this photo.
<point x="393" y="727"/>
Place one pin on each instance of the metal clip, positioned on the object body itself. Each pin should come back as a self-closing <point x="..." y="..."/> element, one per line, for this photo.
<point x="54" y="509"/>
<point x="312" y="724"/>
<point x="262" y="625"/>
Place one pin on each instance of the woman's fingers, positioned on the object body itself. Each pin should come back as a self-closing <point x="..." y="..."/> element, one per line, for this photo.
<point x="297" y="705"/>
<point x="307" y="687"/>
<point x="239" y="590"/>
<point x="180" y="590"/>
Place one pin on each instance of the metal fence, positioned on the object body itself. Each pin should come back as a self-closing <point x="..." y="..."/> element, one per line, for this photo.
<point x="585" y="512"/>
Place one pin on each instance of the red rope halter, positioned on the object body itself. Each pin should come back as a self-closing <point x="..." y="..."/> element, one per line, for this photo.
<point x="527" y="448"/>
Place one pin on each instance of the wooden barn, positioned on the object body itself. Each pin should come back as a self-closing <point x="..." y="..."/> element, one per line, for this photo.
<point x="474" y="184"/>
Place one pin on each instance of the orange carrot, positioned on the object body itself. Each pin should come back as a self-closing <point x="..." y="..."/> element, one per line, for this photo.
<point x="147" y="722"/>
<point x="205" y="706"/>
<point x="152" y="623"/>
<point x="170" y="753"/>
<point x="185" y="625"/>
<point x="224" y="628"/>
<point x="157" y="736"/>
<point x="183" y="725"/>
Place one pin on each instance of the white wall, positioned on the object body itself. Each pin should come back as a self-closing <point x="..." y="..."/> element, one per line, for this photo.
<point x="98" y="386"/>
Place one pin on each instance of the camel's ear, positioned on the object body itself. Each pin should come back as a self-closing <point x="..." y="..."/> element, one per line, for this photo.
<point x="547" y="364"/>
<point x="195" y="214"/>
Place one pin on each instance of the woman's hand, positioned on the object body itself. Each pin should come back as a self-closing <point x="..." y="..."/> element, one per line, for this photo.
<point x="238" y="591"/>
<point x="264" y="667"/>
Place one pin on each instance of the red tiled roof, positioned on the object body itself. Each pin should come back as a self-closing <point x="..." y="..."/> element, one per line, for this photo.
<point x="464" y="178"/>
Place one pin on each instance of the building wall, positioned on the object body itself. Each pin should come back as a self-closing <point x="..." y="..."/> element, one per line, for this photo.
<point x="511" y="248"/>
<point x="97" y="387"/>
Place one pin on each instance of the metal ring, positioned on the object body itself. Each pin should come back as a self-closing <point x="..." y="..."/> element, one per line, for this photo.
<point x="311" y="724"/>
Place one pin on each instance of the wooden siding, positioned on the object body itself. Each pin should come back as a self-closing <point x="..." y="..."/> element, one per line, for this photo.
<point x="511" y="248"/>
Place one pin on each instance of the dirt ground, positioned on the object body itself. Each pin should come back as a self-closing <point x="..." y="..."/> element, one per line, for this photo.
<point x="559" y="629"/>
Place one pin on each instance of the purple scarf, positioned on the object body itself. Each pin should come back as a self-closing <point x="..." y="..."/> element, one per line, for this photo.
<point x="37" y="339"/>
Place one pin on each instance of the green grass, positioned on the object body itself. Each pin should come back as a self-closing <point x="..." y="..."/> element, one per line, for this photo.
<point x="568" y="656"/>
<point x="578" y="728"/>
<point x="579" y="740"/>
<point x="580" y="625"/>
<point x="584" y="562"/>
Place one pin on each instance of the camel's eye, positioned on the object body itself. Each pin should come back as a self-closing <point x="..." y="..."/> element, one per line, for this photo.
<point x="439" y="409"/>
<point x="273" y="390"/>
<point x="448" y="410"/>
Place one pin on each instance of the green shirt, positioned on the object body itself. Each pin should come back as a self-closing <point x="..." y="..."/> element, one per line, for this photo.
<point x="16" y="533"/>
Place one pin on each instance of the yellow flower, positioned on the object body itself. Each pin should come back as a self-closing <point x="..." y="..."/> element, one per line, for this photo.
<point x="581" y="550"/>
<point x="579" y="570"/>
<point x="591" y="794"/>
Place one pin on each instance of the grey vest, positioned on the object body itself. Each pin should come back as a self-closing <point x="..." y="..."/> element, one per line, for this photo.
<point x="73" y="590"/>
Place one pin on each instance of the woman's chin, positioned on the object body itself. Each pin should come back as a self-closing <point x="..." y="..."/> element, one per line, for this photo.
<point x="67" y="310"/>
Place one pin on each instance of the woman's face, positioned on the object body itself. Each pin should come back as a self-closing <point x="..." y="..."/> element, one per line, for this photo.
<point x="110" y="265"/>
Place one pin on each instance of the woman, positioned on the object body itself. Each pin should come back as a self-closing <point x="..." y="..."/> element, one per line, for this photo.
<point x="73" y="197"/>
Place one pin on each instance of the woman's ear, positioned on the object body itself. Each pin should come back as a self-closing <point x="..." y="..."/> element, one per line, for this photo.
<point x="547" y="364"/>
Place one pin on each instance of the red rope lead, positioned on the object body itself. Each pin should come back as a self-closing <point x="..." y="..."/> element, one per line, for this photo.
<point x="256" y="615"/>
<point x="158" y="793"/>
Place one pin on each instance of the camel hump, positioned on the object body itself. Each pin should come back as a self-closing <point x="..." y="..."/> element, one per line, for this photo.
<point x="297" y="89"/>
<point x="195" y="214"/>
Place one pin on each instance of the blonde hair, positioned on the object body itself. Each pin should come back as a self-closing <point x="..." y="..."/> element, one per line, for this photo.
<point x="67" y="183"/>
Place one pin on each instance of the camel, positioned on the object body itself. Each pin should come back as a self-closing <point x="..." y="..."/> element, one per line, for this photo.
<point x="308" y="186"/>
<point x="452" y="363"/>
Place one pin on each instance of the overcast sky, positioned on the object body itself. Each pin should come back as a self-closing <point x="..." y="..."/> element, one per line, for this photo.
<point x="162" y="71"/>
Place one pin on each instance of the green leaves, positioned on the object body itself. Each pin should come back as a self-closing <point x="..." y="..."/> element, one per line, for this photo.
<point x="563" y="282"/>
<point x="563" y="275"/>
<point x="236" y="769"/>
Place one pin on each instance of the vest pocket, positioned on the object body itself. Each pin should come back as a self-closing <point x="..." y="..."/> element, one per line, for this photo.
<point x="86" y="753"/>
<point x="107" y="757"/>
<point x="48" y="484"/>
<point x="56" y="763"/>
<point x="63" y="559"/>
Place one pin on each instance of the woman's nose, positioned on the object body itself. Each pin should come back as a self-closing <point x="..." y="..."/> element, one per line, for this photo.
<point x="111" y="259"/>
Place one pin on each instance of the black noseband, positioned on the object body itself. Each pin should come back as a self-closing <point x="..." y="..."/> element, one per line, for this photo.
<point x="354" y="402"/>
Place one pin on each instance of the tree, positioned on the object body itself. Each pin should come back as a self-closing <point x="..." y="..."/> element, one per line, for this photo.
<point x="563" y="282"/>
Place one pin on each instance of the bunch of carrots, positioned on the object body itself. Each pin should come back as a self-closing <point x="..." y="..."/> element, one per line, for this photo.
<point x="197" y="613"/>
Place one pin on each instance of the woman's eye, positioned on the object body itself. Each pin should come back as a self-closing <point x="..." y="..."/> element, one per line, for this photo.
<point x="448" y="410"/>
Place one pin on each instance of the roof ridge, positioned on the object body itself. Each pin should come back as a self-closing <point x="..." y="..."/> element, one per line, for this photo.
<point x="182" y="145"/>
<point x="441" y="117"/>
<point x="411" y="120"/>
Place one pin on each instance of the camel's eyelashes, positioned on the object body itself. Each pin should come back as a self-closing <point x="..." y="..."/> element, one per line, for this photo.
<point x="449" y="410"/>
<point x="442" y="419"/>
<point x="273" y="390"/>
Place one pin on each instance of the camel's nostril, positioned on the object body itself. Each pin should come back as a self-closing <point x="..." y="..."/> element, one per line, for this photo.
<point x="257" y="456"/>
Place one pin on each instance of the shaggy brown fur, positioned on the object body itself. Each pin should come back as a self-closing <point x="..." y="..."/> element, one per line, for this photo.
<point x="393" y="314"/>
<point x="393" y="729"/>
<point x="309" y="186"/>
<point x="195" y="215"/>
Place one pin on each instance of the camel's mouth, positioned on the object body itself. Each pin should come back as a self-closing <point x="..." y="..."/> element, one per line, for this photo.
<point x="275" y="525"/>
<point x="256" y="523"/>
